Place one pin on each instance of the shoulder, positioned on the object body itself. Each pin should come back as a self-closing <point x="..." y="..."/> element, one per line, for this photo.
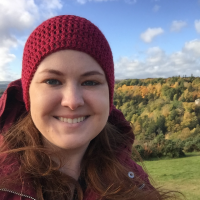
<point x="11" y="195"/>
<point x="8" y="196"/>
<point x="20" y="190"/>
<point x="138" y="171"/>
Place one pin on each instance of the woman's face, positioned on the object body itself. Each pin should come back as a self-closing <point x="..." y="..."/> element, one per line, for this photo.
<point x="69" y="99"/>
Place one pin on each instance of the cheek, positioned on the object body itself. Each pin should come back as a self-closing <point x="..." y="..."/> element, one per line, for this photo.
<point x="105" y="102"/>
<point x="102" y="112"/>
<point x="42" y="105"/>
<point x="43" y="102"/>
<point x="99" y="101"/>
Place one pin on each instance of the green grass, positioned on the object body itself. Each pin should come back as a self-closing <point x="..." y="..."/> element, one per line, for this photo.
<point x="181" y="174"/>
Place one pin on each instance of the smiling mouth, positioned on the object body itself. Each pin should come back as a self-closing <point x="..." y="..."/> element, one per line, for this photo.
<point x="72" y="121"/>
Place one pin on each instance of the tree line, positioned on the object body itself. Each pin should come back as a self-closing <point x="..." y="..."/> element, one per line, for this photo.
<point x="163" y="112"/>
<point x="162" y="108"/>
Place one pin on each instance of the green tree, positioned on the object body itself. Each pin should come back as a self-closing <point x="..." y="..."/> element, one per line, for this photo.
<point x="161" y="123"/>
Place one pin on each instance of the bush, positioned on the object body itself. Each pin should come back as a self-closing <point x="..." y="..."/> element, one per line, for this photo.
<point x="140" y="150"/>
<point x="192" y="144"/>
<point x="172" y="149"/>
<point x="160" y="147"/>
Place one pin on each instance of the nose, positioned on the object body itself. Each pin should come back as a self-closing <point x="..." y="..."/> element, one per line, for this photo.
<point x="72" y="97"/>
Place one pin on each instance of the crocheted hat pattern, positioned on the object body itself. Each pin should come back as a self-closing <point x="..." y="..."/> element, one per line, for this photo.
<point x="65" y="32"/>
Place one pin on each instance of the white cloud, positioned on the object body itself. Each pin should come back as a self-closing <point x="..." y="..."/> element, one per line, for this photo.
<point x="15" y="19"/>
<point x="6" y="57"/>
<point x="85" y="1"/>
<point x="82" y="1"/>
<point x="47" y="8"/>
<point x="197" y="25"/>
<point x="158" y="64"/>
<point x="155" y="55"/>
<point x="131" y="1"/>
<point x="156" y="8"/>
<point x="53" y="4"/>
<point x="192" y="48"/>
<point x="150" y="34"/>
<point x="177" y="25"/>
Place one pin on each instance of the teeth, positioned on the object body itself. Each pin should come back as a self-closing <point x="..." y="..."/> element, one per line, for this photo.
<point x="71" y="121"/>
<point x="75" y="120"/>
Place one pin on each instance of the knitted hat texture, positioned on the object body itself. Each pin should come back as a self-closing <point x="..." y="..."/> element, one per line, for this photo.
<point x="65" y="32"/>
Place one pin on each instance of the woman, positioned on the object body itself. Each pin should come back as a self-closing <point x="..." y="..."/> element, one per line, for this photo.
<point x="61" y="136"/>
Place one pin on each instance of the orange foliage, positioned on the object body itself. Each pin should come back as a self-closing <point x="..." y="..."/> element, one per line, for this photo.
<point x="185" y="133"/>
<point x="176" y="85"/>
<point x="166" y="110"/>
<point x="140" y="90"/>
<point x="158" y="87"/>
<point x="130" y="90"/>
<point x="196" y="94"/>
<point x="144" y="91"/>
<point x="151" y="88"/>
<point x="151" y="115"/>
<point x="137" y="128"/>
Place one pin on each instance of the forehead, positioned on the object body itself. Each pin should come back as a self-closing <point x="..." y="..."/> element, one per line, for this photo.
<point x="69" y="61"/>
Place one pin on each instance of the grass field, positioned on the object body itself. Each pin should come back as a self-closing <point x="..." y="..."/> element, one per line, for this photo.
<point x="182" y="174"/>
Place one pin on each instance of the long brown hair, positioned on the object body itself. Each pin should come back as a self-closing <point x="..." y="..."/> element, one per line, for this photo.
<point x="102" y="171"/>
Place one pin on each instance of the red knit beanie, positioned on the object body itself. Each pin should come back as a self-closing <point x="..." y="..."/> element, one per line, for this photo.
<point x="65" y="32"/>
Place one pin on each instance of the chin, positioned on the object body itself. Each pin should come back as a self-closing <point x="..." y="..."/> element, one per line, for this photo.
<point x="72" y="146"/>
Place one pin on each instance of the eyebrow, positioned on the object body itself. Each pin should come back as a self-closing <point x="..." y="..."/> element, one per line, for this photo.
<point x="52" y="71"/>
<point x="92" y="73"/>
<point x="57" y="72"/>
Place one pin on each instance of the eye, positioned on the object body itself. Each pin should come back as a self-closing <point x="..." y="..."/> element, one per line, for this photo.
<point x="52" y="82"/>
<point x="90" y="83"/>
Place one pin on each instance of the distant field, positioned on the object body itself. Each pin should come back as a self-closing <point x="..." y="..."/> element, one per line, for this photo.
<point x="3" y="85"/>
<point x="181" y="174"/>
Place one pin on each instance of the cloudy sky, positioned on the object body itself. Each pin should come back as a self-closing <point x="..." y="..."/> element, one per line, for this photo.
<point x="148" y="38"/>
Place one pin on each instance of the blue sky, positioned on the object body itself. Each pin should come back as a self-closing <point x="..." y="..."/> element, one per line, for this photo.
<point x="148" y="38"/>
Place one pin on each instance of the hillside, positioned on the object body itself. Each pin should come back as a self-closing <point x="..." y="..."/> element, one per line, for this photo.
<point x="165" y="113"/>
<point x="162" y="107"/>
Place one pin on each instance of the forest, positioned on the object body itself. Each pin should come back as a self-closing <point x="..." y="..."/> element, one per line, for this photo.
<point x="165" y="114"/>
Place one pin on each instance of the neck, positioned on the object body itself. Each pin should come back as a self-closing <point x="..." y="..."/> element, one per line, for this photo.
<point x="70" y="158"/>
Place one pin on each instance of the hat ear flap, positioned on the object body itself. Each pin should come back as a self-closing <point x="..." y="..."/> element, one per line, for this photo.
<point x="11" y="105"/>
<point x="117" y="119"/>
